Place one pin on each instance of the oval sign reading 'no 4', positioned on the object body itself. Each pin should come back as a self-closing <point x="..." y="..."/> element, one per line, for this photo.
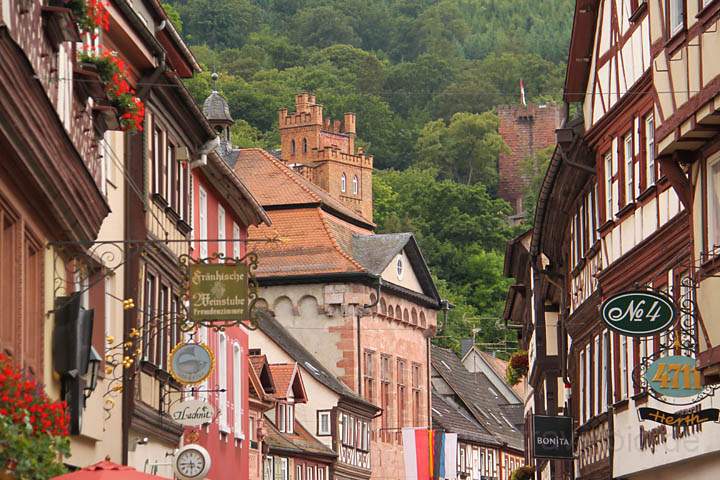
<point x="638" y="314"/>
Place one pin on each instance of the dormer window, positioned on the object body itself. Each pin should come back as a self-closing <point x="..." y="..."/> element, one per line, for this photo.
<point x="399" y="267"/>
<point x="286" y="417"/>
<point x="355" y="185"/>
<point x="343" y="183"/>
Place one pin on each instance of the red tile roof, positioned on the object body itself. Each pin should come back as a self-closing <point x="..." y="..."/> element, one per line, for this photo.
<point x="311" y="241"/>
<point x="284" y="376"/>
<point x="273" y="183"/>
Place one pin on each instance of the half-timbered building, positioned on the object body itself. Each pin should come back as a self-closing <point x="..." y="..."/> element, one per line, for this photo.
<point x="623" y="200"/>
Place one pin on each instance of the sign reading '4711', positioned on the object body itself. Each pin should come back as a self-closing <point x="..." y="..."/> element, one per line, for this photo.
<point x="638" y="314"/>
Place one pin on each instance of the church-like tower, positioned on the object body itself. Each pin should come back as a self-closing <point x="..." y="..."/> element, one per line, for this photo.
<point x="324" y="152"/>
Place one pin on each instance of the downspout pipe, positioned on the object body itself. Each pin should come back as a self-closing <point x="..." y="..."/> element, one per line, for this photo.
<point x="367" y="306"/>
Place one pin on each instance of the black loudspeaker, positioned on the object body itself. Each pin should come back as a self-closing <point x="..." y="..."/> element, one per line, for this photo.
<point x="72" y="336"/>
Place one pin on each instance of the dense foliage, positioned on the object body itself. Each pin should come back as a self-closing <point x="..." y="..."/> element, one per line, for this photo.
<point x="423" y="77"/>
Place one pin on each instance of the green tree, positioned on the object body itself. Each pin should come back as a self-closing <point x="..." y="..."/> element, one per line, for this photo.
<point x="465" y="149"/>
<point x="323" y="26"/>
<point x="219" y="23"/>
<point x="174" y="16"/>
<point x="535" y="167"/>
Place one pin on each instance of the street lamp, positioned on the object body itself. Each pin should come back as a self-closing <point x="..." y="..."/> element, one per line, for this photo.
<point x="94" y="362"/>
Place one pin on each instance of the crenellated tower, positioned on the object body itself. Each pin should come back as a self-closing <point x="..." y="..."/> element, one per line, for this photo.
<point x="324" y="152"/>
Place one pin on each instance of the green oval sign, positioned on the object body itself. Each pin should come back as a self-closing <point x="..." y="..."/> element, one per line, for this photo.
<point x="638" y="314"/>
<point x="675" y="376"/>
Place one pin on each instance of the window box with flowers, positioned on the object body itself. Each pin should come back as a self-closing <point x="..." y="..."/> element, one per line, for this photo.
<point x="33" y="429"/>
<point x="517" y="367"/>
<point x="112" y="71"/>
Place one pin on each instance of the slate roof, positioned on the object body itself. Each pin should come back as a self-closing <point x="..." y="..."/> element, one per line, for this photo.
<point x="216" y="108"/>
<point x="375" y="252"/>
<point x="454" y="418"/>
<point x="477" y="394"/>
<point x="310" y="365"/>
<point x="299" y="443"/>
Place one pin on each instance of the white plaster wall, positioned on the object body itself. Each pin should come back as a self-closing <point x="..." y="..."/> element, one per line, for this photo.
<point x="409" y="279"/>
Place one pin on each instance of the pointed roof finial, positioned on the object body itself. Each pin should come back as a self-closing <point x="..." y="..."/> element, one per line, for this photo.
<point x="214" y="78"/>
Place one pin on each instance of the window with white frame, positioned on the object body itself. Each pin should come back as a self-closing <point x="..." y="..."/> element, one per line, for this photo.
<point x="323" y="422"/>
<point x="629" y="169"/>
<point x="321" y="473"/>
<point x="269" y="468"/>
<point x="157" y="161"/>
<point x="222" y="354"/>
<point x="298" y="472"/>
<point x="203" y="223"/>
<point x="355" y="185"/>
<point x="170" y="174"/>
<point x="609" y="203"/>
<point x="605" y="345"/>
<point x="203" y="338"/>
<point x="310" y="473"/>
<point x="583" y="387"/>
<point x="343" y="183"/>
<point x="282" y="469"/>
<point x="588" y="386"/>
<point x="623" y="367"/>
<point x="713" y="204"/>
<point x="236" y="240"/>
<point x="237" y="391"/>
<point x="650" y="149"/>
<point x="221" y="230"/>
<point x="596" y="373"/>
<point x="677" y="15"/>
<point x="286" y="417"/>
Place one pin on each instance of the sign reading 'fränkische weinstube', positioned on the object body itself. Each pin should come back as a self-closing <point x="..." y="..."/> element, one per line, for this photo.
<point x="219" y="292"/>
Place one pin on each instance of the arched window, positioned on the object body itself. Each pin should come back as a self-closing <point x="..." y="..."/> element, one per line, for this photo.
<point x="304" y="145"/>
<point x="292" y="147"/>
<point x="343" y="183"/>
<point x="355" y="185"/>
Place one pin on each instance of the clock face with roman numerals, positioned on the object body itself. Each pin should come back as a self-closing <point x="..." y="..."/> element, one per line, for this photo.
<point x="192" y="462"/>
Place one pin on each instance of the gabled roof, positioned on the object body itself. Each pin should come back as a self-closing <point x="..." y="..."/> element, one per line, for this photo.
<point x="311" y="365"/>
<point x="276" y="185"/>
<point x="375" y="252"/>
<point x="478" y="395"/>
<point x="455" y="418"/>
<point x="300" y="444"/>
<point x="499" y="366"/>
<point x="261" y="368"/>
<point x="581" y="49"/>
<point x="288" y="381"/>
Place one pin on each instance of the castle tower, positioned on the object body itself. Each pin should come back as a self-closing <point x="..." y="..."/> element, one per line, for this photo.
<point x="324" y="152"/>
<point x="217" y="111"/>
<point x="526" y="130"/>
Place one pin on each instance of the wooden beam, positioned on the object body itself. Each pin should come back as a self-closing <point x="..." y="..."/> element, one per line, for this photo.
<point x="670" y="165"/>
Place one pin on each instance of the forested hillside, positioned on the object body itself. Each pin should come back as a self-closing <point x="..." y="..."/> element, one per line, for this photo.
<point x="423" y="77"/>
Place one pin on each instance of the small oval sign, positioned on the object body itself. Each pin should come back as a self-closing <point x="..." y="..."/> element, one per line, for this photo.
<point x="191" y="363"/>
<point x="192" y="413"/>
<point x="638" y="314"/>
<point x="675" y="376"/>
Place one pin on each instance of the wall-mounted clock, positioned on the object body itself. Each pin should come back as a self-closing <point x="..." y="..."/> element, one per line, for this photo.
<point x="192" y="462"/>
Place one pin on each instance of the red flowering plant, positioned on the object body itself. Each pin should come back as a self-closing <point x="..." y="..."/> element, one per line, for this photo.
<point x="114" y="74"/>
<point x="33" y="429"/>
<point x="517" y="367"/>
<point x="89" y="14"/>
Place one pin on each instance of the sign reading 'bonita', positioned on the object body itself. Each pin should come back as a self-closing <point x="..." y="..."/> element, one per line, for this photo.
<point x="552" y="437"/>
<point x="638" y="314"/>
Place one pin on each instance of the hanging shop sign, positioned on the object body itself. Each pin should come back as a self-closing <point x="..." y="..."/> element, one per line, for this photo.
<point x="219" y="292"/>
<point x="552" y="437"/>
<point x="679" y="419"/>
<point x="191" y="363"/>
<point x="674" y="376"/>
<point x="192" y="413"/>
<point x="638" y="314"/>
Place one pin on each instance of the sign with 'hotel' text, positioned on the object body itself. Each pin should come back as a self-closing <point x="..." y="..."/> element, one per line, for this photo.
<point x="219" y="292"/>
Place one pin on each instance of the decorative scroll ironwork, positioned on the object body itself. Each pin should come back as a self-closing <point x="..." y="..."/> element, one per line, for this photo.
<point x="681" y="339"/>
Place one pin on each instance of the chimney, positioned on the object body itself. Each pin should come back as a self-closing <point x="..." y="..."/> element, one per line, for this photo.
<point x="301" y="102"/>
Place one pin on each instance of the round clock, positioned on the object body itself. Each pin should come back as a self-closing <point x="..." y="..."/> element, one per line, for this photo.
<point x="192" y="462"/>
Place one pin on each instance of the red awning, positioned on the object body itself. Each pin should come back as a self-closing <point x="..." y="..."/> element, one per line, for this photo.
<point x="106" y="470"/>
